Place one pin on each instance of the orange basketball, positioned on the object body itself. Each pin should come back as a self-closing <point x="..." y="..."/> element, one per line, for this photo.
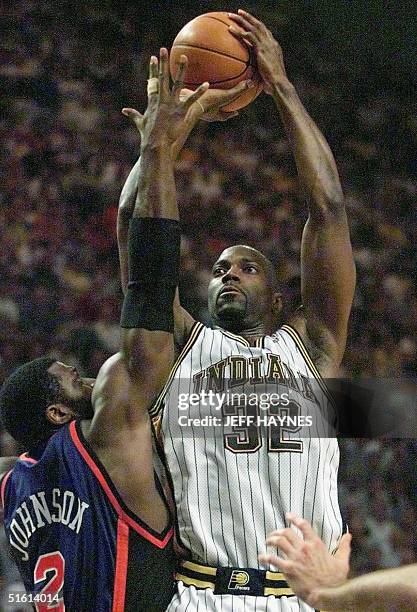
<point x="216" y="56"/>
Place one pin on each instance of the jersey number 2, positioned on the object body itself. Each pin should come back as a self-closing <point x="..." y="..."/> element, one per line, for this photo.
<point x="48" y="597"/>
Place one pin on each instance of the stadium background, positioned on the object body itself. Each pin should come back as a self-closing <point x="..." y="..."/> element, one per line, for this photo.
<point x="67" y="68"/>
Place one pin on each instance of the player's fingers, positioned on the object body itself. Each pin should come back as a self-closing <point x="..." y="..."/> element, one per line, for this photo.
<point x="163" y="73"/>
<point x="242" y="22"/>
<point x="229" y="95"/>
<point x="276" y="561"/>
<point x="226" y="96"/>
<point x="153" y="67"/>
<point x="276" y="532"/>
<point x="344" y="549"/>
<point x="194" y="97"/>
<point x="133" y="115"/>
<point x="292" y="537"/>
<point x="304" y="526"/>
<point x="283" y="536"/>
<point x="256" y="23"/>
<point x="284" y="545"/>
<point x="247" y="37"/>
<point x="153" y="81"/>
<point x="179" y="77"/>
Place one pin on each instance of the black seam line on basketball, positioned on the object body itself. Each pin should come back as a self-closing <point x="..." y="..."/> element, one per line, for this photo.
<point x="216" y="19"/>
<point x="238" y="59"/>
<point x="221" y="21"/>
<point x="250" y="49"/>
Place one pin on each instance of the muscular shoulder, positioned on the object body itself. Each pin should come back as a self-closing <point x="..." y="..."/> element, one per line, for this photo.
<point x="110" y="378"/>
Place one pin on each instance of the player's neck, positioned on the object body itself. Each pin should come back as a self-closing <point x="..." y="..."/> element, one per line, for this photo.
<point x="250" y="333"/>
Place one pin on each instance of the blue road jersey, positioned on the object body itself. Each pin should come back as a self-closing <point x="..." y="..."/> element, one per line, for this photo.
<point x="76" y="544"/>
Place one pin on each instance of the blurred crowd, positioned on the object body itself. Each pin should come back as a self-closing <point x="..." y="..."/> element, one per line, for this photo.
<point x="378" y="497"/>
<point x="66" y="71"/>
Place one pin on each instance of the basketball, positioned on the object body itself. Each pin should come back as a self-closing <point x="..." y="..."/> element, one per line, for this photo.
<point x="216" y="56"/>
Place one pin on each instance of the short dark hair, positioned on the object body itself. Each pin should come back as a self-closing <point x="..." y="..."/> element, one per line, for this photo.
<point x="24" y="398"/>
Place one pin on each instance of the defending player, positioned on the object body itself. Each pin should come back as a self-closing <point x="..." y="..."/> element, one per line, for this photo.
<point x="232" y="490"/>
<point x="84" y="511"/>
<point x="320" y="578"/>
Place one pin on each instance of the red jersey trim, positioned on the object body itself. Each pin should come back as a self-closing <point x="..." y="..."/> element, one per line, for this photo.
<point x="25" y="457"/>
<point x="122" y="555"/>
<point x="3" y="486"/>
<point x="114" y="502"/>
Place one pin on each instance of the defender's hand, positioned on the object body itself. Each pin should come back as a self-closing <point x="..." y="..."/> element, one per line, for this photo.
<point x="167" y="120"/>
<point x="209" y="106"/>
<point x="308" y="565"/>
<point x="268" y="52"/>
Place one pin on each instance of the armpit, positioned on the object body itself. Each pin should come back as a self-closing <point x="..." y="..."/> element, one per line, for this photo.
<point x="318" y="342"/>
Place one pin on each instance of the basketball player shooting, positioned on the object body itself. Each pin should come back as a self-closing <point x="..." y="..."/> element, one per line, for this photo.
<point x="84" y="511"/>
<point x="232" y="490"/>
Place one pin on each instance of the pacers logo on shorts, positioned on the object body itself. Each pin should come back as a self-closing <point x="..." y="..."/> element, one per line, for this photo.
<point x="238" y="580"/>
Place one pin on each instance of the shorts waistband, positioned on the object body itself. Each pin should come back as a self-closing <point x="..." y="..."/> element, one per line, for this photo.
<point x="233" y="580"/>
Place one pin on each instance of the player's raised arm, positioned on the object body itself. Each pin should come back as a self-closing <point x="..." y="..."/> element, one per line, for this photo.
<point x="321" y="578"/>
<point x="125" y="211"/>
<point x="188" y="114"/>
<point x="327" y="268"/>
<point x="129" y="381"/>
<point x="127" y="384"/>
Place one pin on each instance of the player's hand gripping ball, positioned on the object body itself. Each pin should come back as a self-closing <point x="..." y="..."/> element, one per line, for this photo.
<point x="216" y="56"/>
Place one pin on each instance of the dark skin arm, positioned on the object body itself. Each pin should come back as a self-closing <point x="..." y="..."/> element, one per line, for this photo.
<point x="211" y="100"/>
<point x="128" y="382"/>
<point x="183" y="320"/>
<point x="327" y="267"/>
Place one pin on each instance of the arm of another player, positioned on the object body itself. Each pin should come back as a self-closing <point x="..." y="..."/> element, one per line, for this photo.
<point x="139" y="368"/>
<point x="382" y="591"/>
<point x="208" y="109"/>
<point x="327" y="267"/>
<point x="183" y="320"/>
<point x="129" y="381"/>
<point x="320" y="579"/>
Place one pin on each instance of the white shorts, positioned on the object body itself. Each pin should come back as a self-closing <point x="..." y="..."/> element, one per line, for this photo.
<point x="188" y="598"/>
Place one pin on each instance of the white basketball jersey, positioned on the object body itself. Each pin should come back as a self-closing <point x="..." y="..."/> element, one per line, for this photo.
<point x="233" y="479"/>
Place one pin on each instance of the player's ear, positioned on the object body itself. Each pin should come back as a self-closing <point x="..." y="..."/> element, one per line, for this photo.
<point x="276" y="303"/>
<point x="59" y="414"/>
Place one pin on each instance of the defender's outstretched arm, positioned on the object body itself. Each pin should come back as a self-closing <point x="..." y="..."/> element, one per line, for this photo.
<point x="128" y="383"/>
<point x="209" y="109"/>
<point x="131" y="379"/>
